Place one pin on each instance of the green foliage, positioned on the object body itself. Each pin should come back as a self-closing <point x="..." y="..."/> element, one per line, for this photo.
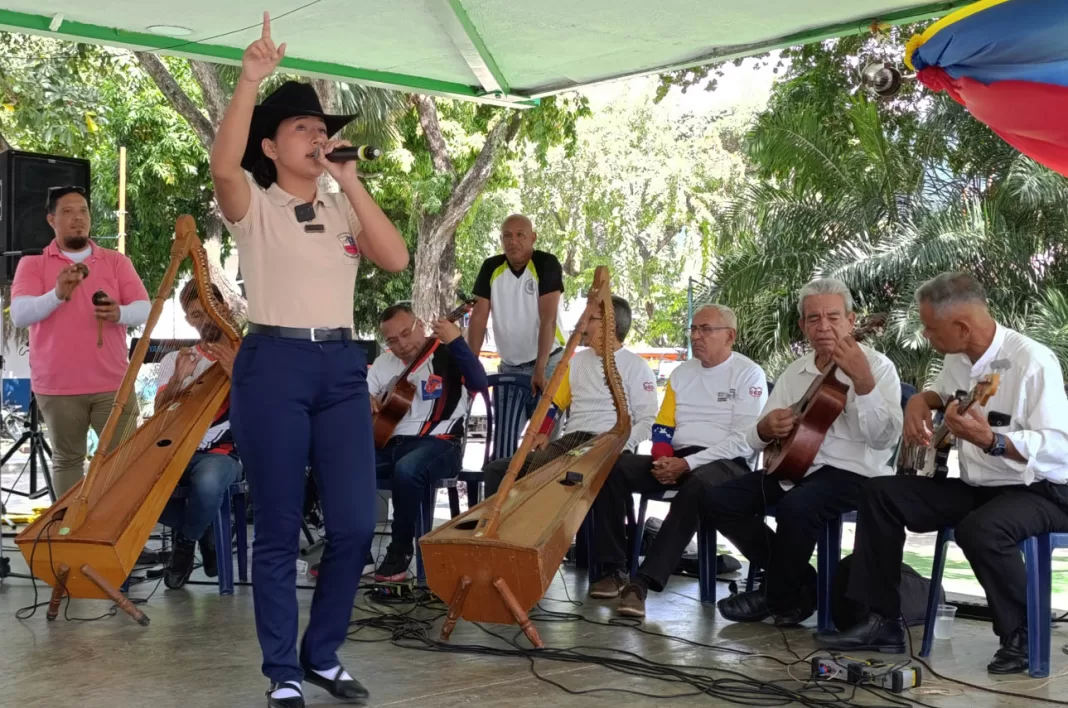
<point x="883" y="195"/>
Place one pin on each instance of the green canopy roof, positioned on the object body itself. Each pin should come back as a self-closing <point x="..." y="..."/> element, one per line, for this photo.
<point x="509" y="51"/>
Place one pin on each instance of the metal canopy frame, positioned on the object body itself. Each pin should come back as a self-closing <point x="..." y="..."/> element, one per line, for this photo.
<point x="489" y="84"/>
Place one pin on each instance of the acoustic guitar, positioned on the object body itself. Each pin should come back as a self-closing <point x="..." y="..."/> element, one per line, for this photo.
<point x="825" y="399"/>
<point x="932" y="460"/>
<point x="396" y="398"/>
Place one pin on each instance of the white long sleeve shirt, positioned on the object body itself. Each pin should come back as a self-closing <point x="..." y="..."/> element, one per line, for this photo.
<point x="1030" y="394"/>
<point x="28" y="310"/>
<point x="861" y="439"/>
<point x="585" y="394"/>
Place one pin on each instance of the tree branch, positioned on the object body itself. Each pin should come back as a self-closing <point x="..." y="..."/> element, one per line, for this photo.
<point x="471" y="185"/>
<point x="428" y="119"/>
<point x="211" y="87"/>
<point x="155" y="68"/>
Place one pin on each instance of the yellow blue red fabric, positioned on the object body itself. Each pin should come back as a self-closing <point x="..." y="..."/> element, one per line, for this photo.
<point x="1006" y="61"/>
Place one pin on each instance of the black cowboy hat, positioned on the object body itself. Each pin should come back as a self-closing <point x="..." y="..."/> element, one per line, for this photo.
<point x="290" y="100"/>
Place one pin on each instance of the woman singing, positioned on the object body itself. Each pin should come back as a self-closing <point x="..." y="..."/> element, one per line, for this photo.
<point x="299" y="392"/>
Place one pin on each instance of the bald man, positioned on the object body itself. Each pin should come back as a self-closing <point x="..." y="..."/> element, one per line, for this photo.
<point x="522" y="288"/>
<point x="1013" y="456"/>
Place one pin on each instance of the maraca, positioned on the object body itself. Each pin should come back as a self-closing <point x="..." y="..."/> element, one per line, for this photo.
<point x="100" y="298"/>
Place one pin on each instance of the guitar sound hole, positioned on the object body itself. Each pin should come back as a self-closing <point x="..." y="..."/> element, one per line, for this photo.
<point x="467" y="525"/>
<point x="163" y="443"/>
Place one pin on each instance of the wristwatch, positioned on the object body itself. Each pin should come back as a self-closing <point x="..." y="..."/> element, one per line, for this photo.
<point x="997" y="448"/>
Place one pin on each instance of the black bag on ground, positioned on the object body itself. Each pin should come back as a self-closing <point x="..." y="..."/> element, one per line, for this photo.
<point x="914" y="590"/>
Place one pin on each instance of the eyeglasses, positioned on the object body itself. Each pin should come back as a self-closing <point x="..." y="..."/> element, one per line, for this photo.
<point x="705" y="330"/>
<point x="404" y="334"/>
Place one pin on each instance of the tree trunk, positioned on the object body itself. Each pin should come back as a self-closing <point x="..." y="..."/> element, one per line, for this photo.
<point x="435" y="279"/>
<point x="4" y="144"/>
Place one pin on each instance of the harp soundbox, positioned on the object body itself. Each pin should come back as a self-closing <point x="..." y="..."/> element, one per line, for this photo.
<point x="86" y="544"/>
<point x="497" y="560"/>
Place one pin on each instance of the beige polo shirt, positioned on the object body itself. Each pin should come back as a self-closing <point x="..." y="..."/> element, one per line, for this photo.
<point x="295" y="277"/>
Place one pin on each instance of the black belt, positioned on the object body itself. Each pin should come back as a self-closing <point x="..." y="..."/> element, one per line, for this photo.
<point x="553" y="353"/>
<point x="317" y="334"/>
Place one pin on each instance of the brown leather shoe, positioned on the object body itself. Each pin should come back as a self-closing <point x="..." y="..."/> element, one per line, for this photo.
<point x="632" y="600"/>
<point x="609" y="586"/>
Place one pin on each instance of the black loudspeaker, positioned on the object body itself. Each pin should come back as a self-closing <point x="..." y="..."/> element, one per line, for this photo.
<point x="370" y="349"/>
<point x="25" y="179"/>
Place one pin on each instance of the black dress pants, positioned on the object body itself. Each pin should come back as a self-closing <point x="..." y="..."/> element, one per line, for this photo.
<point x="737" y="508"/>
<point x="494" y="471"/>
<point x="634" y="474"/>
<point x="989" y="522"/>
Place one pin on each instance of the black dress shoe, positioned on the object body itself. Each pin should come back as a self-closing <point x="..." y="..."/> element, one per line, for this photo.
<point x="351" y="690"/>
<point x="749" y="606"/>
<point x="876" y="633"/>
<point x="1011" y="658"/>
<point x="294" y="702"/>
<point x="793" y="617"/>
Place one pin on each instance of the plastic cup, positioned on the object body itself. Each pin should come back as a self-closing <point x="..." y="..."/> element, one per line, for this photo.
<point x="943" y="628"/>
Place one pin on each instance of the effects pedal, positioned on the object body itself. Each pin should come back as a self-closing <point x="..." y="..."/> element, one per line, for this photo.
<point x="891" y="677"/>
<point x="392" y="591"/>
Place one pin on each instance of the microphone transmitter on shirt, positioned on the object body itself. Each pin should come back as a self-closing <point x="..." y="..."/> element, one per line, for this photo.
<point x="304" y="212"/>
<point x="997" y="420"/>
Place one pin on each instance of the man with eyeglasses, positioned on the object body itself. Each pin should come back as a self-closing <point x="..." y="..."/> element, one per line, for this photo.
<point x="522" y="288"/>
<point x="698" y="441"/>
<point x="78" y="350"/>
<point x="426" y="445"/>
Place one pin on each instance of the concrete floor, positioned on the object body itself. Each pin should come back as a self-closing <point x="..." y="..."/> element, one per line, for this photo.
<point x="201" y="651"/>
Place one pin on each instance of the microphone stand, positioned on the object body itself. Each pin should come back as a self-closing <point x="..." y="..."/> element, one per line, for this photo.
<point x="39" y="453"/>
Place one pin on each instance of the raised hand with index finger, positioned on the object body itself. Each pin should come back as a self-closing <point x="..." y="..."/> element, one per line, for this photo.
<point x="261" y="57"/>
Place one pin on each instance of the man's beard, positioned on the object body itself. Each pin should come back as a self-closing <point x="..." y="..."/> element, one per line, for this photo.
<point x="210" y="332"/>
<point x="76" y="243"/>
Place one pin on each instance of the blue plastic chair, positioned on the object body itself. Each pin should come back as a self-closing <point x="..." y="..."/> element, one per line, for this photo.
<point x="706" y="545"/>
<point x="234" y="498"/>
<point x="425" y="520"/>
<point x="1038" y="558"/>
<point x="507" y="407"/>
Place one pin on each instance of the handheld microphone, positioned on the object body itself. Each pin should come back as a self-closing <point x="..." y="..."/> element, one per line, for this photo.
<point x="24" y="252"/>
<point x="363" y="153"/>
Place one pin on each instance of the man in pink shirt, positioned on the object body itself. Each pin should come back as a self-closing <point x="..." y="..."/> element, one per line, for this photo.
<point x="77" y="349"/>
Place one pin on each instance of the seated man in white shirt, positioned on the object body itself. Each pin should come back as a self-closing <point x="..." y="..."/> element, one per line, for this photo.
<point x="215" y="465"/>
<point x="585" y="395"/>
<point x="857" y="446"/>
<point x="1013" y="457"/>
<point x="698" y="439"/>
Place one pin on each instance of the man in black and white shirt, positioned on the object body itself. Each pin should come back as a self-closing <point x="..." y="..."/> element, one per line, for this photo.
<point x="427" y="443"/>
<point x="585" y="395"/>
<point x="522" y="288"/>
<point x="1013" y="457"/>
<point x="857" y="446"/>
<point x="215" y="465"/>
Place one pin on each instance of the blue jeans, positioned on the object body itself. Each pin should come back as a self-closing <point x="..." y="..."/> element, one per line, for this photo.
<point x="293" y="403"/>
<point x="414" y="464"/>
<point x="207" y="476"/>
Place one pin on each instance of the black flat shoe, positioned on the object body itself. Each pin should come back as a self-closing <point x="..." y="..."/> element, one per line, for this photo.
<point x="351" y="690"/>
<point x="749" y="606"/>
<point x="1011" y="658"/>
<point x="294" y="702"/>
<point x="876" y="633"/>
<point x="792" y="618"/>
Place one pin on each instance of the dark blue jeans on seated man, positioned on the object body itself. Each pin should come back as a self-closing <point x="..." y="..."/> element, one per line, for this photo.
<point x="206" y="479"/>
<point x="413" y="464"/>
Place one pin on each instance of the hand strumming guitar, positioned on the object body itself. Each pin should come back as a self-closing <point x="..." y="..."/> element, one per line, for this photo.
<point x="777" y="424"/>
<point x="375" y="405"/>
<point x="851" y="359"/>
<point x="917" y="425"/>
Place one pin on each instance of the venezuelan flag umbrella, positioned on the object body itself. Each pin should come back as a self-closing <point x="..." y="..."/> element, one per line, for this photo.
<point x="1006" y="61"/>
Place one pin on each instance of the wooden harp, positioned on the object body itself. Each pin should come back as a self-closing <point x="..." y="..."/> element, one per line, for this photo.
<point x="86" y="544"/>
<point x="497" y="560"/>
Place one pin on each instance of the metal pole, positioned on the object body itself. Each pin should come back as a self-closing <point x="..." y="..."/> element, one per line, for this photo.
<point x="689" y="318"/>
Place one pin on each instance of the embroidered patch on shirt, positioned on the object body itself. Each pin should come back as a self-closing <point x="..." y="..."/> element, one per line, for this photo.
<point x="755" y="391"/>
<point x="349" y="244"/>
<point x="431" y="387"/>
<point x="649" y="386"/>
